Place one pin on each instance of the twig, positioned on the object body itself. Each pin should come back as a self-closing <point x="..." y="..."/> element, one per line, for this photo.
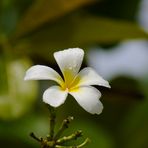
<point x="78" y="146"/>
<point x="63" y="127"/>
<point x="52" y="121"/>
<point x="35" y="137"/>
<point x="87" y="140"/>
<point x="73" y="136"/>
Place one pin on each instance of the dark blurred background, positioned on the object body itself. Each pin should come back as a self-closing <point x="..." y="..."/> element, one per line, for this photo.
<point x="114" y="36"/>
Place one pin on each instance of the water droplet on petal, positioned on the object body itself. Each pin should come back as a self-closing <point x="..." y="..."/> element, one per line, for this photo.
<point x="75" y="65"/>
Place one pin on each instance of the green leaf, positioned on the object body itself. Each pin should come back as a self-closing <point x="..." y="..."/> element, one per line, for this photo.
<point x="78" y="31"/>
<point x="17" y="96"/>
<point x="105" y="31"/>
<point x="43" y="11"/>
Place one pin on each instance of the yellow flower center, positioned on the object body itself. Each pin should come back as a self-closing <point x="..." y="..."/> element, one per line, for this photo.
<point x="70" y="81"/>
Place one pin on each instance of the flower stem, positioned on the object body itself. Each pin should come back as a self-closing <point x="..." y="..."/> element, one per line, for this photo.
<point x="63" y="127"/>
<point x="35" y="137"/>
<point x="73" y="136"/>
<point x="53" y="140"/>
<point x="78" y="146"/>
<point x="52" y="121"/>
<point x="87" y="140"/>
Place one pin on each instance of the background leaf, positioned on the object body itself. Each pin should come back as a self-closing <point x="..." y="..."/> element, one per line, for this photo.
<point x="43" y="11"/>
<point x="78" y="31"/>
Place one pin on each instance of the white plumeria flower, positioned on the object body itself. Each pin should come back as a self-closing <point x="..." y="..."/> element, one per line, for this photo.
<point x="76" y="83"/>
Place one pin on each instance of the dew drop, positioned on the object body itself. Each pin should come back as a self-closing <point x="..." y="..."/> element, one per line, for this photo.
<point x="75" y="65"/>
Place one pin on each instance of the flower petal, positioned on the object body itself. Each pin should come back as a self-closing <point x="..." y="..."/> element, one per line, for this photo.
<point x="55" y="96"/>
<point x="88" y="98"/>
<point x="69" y="61"/>
<point x="40" y="72"/>
<point x="88" y="76"/>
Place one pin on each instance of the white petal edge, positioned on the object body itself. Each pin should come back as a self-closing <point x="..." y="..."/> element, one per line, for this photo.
<point x="88" y="98"/>
<point x="40" y="72"/>
<point x="88" y="76"/>
<point x="55" y="96"/>
<point x="69" y="59"/>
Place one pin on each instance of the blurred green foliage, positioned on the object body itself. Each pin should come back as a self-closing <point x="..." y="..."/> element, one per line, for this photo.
<point x="16" y="97"/>
<point x="30" y="31"/>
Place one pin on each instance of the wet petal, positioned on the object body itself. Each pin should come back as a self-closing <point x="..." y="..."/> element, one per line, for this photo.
<point x="88" y="76"/>
<point x="55" y="96"/>
<point x="88" y="98"/>
<point x="69" y="61"/>
<point x="40" y="72"/>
